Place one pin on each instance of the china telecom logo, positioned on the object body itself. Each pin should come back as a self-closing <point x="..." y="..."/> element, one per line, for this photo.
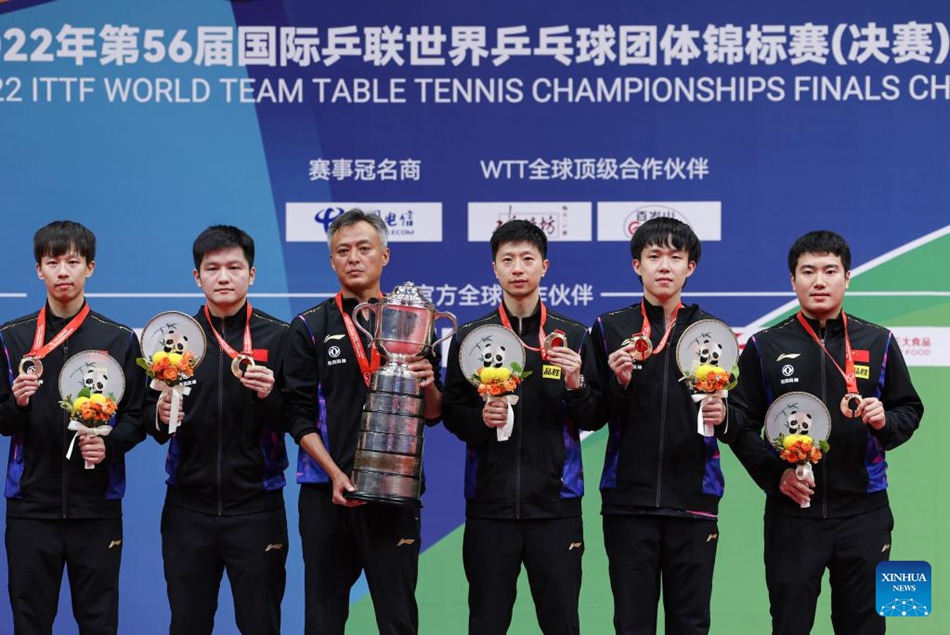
<point x="903" y="588"/>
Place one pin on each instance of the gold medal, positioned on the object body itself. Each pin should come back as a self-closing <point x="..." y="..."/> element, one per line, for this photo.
<point x="239" y="363"/>
<point x="850" y="403"/>
<point x="642" y="347"/>
<point x="553" y="339"/>
<point x="30" y="365"/>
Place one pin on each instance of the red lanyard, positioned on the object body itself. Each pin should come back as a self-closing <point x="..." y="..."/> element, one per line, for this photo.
<point x="646" y="329"/>
<point x="541" y="336"/>
<point x="367" y="366"/>
<point x="39" y="350"/>
<point x="247" y="348"/>
<point x="848" y="372"/>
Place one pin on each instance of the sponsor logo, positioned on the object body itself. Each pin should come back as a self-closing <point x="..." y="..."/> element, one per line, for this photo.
<point x="333" y="351"/>
<point x="712" y="537"/>
<point x="334" y="362"/>
<point x="862" y="372"/>
<point x="924" y="345"/>
<point x="788" y="356"/>
<point x="405" y="222"/>
<point x="331" y="338"/>
<point x="617" y="221"/>
<point x="566" y="221"/>
<point x="788" y="370"/>
<point x="406" y="541"/>
<point x="274" y="547"/>
<point x="115" y="543"/>
<point x="551" y="372"/>
<point x="902" y="588"/>
<point x="575" y="545"/>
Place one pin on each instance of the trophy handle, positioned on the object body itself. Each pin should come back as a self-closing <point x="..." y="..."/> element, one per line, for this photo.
<point x="455" y="326"/>
<point x="374" y="309"/>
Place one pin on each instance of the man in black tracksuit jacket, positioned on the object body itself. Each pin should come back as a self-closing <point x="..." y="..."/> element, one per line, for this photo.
<point x="58" y="512"/>
<point x="847" y="527"/>
<point x="224" y="507"/>
<point x="523" y="494"/>
<point x="662" y="480"/>
<point x="327" y="367"/>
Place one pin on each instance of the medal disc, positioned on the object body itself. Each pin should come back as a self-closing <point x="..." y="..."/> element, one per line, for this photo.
<point x="850" y="403"/>
<point x="642" y="347"/>
<point x="30" y="365"/>
<point x="239" y="363"/>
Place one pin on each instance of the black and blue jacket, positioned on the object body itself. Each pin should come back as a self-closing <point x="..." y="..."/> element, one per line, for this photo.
<point x="537" y="473"/>
<point x="324" y="386"/>
<point x="851" y="478"/>
<point x="228" y="456"/>
<point x="40" y="482"/>
<point x="656" y="462"/>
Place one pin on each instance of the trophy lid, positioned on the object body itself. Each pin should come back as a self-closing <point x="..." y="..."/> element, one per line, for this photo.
<point x="408" y="294"/>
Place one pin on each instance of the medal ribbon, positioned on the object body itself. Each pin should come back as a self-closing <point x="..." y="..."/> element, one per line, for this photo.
<point x="541" y="334"/>
<point x="848" y="372"/>
<point x="39" y="350"/>
<point x="367" y="366"/>
<point x="647" y="329"/>
<point x="247" y="349"/>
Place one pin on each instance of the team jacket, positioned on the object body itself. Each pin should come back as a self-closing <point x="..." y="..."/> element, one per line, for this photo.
<point x="324" y="386"/>
<point x="655" y="461"/>
<point x="851" y="478"/>
<point x="537" y="473"/>
<point x="228" y="456"/>
<point x="40" y="482"/>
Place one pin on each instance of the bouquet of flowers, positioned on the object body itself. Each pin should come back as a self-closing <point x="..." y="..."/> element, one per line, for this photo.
<point x="707" y="381"/>
<point x="170" y="373"/>
<point x="802" y="451"/>
<point x="89" y="413"/>
<point x="170" y="369"/>
<point x="501" y="382"/>
<point x="495" y="382"/>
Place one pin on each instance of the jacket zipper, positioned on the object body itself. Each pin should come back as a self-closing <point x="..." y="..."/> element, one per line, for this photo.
<point x="659" y="463"/>
<point x="65" y="436"/>
<point x="224" y="336"/>
<point x="824" y="468"/>
<point x="518" y="410"/>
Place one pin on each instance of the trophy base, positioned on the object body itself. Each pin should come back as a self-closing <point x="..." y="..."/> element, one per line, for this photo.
<point x="381" y="487"/>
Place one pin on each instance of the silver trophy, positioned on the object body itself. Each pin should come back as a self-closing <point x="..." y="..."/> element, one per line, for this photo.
<point x="388" y="463"/>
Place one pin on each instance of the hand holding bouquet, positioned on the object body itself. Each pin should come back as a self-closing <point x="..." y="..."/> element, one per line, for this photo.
<point x="708" y="381"/>
<point x="169" y="373"/>
<point x="89" y="414"/>
<point x="802" y="451"/>
<point x="501" y="383"/>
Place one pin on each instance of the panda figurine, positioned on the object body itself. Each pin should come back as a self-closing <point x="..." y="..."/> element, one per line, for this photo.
<point x="799" y="422"/>
<point x="493" y="357"/>
<point x="710" y="352"/>
<point x="175" y="342"/>
<point x="96" y="380"/>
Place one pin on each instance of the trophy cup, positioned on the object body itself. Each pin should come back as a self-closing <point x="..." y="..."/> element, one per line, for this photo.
<point x="388" y="463"/>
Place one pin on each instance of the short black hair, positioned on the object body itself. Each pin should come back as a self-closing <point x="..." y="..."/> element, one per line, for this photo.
<point x="222" y="237"/>
<point x="61" y="237"/>
<point x="666" y="232"/>
<point x="519" y="231"/>
<point x="820" y="241"/>
<point x="354" y="216"/>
